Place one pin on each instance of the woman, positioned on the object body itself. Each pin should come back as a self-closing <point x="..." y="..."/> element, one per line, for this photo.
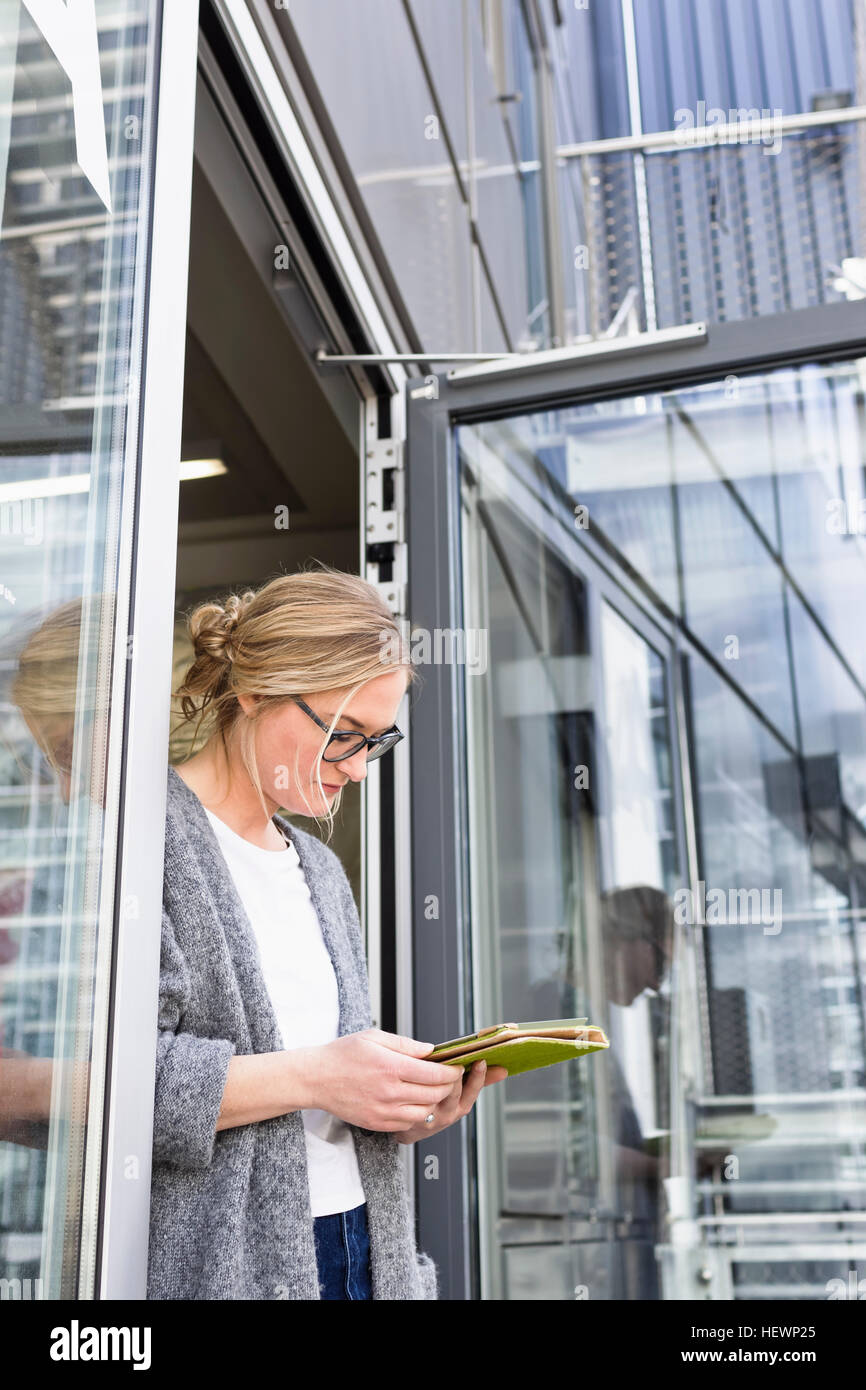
<point x="278" y="1108"/>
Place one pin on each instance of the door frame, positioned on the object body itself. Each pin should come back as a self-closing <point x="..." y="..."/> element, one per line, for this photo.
<point x="328" y="259"/>
<point x="442" y="1003"/>
<point x="124" y="1195"/>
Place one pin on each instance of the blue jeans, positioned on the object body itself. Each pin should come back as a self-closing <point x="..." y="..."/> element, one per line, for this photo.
<point x="343" y="1254"/>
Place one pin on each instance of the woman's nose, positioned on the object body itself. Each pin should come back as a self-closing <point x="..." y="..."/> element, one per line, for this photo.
<point x="355" y="768"/>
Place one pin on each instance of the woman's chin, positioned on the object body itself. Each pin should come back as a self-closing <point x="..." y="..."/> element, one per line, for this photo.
<point x="317" y="802"/>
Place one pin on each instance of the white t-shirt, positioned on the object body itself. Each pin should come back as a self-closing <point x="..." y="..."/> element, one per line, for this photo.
<point x="303" y="988"/>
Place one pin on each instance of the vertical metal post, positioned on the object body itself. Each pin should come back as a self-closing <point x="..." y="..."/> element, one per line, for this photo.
<point x="640" y="184"/>
<point x="550" y="200"/>
<point x="860" y="100"/>
<point x="474" y="252"/>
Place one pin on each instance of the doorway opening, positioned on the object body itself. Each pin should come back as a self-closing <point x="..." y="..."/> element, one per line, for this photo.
<point x="269" y="461"/>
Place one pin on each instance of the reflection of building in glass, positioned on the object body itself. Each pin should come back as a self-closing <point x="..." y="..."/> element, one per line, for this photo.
<point x="743" y="1058"/>
<point x="703" y="496"/>
<point x="67" y="365"/>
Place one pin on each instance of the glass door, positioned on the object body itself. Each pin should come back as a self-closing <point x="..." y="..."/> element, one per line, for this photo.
<point x="82" y="267"/>
<point x="635" y="801"/>
<point x="572" y="863"/>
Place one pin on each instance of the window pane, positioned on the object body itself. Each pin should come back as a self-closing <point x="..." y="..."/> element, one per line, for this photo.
<point x="751" y="222"/>
<point x="777" y="1132"/>
<point x="693" y="560"/>
<point x="373" y="84"/>
<point x="573" y="860"/>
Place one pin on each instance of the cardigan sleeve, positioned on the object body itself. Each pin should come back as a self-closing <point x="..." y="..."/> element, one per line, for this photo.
<point x="190" y="1070"/>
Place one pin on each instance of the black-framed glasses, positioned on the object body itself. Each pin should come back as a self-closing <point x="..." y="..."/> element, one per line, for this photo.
<point x="347" y="742"/>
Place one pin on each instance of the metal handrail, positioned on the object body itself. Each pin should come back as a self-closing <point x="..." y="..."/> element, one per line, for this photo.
<point x="713" y="134"/>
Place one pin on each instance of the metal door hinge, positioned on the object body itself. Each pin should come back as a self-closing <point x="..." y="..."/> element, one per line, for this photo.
<point x="384" y="521"/>
<point x="384" y="492"/>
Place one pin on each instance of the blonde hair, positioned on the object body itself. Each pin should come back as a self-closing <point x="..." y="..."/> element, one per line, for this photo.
<point x="48" y="681"/>
<point x="316" y="630"/>
<point x="46" y="670"/>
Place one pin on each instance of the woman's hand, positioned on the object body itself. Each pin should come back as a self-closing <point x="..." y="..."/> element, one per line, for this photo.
<point x="464" y="1093"/>
<point x="379" y="1081"/>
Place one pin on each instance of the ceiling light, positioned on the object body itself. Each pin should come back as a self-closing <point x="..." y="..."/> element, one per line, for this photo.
<point x="44" y="487"/>
<point x="63" y="485"/>
<point x="201" y="468"/>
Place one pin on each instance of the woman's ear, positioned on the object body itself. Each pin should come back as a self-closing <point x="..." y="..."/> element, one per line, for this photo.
<point x="248" y="703"/>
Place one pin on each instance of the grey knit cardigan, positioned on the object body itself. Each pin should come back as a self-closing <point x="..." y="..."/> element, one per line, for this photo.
<point x="230" y="1211"/>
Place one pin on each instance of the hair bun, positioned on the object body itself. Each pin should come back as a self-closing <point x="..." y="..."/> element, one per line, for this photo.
<point x="213" y="626"/>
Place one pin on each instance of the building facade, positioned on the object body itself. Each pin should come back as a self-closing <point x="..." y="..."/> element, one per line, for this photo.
<point x="548" y="317"/>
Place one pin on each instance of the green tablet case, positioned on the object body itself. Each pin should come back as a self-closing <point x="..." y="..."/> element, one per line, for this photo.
<point x="522" y="1046"/>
